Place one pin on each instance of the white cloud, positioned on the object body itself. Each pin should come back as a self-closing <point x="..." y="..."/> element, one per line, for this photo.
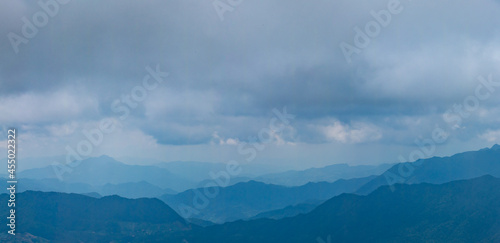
<point x="45" y="107"/>
<point x="216" y="139"/>
<point x="357" y="133"/>
<point x="491" y="136"/>
<point x="63" y="129"/>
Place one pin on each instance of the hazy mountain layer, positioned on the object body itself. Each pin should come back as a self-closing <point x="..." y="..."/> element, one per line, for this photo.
<point x="459" y="211"/>
<point x="247" y="199"/>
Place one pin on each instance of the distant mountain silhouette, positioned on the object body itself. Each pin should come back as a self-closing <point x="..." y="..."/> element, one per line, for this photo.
<point x="53" y="185"/>
<point x="200" y="171"/>
<point x="128" y="190"/>
<point x="133" y="190"/>
<point x="459" y="211"/>
<point x="329" y="173"/>
<point x="103" y="170"/>
<point x="464" y="210"/>
<point x="440" y="169"/>
<point x="247" y="199"/>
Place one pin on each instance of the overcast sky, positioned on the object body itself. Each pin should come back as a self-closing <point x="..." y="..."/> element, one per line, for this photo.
<point x="228" y="71"/>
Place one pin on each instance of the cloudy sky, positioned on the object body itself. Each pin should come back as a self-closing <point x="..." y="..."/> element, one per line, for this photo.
<point x="360" y="91"/>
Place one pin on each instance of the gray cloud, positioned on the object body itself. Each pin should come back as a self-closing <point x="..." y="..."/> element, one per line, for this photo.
<point x="226" y="77"/>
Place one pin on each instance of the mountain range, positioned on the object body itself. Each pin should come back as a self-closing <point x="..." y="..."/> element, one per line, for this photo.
<point x="128" y="190"/>
<point x="247" y="199"/>
<point x="446" y="199"/>
<point x="458" y="211"/>
<point x="329" y="173"/>
<point x="106" y="170"/>
<point x="440" y="169"/>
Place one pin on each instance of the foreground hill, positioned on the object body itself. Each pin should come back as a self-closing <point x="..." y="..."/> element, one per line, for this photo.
<point x="440" y="169"/>
<point x="459" y="211"/>
<point x="62" y="217"/>
<point x="247" y="199"/>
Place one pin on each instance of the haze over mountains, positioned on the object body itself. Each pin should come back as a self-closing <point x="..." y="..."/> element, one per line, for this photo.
<point x="375" y="207"/>
<point x="128" y="190"/>
<point x="459" y="211"/>
<point x="108" y="176"/>
<point x="440" y="169"/>
<point x="104" y="169"/>
<point x="247" y="199"/>
<point x="188" y="121"/>
<point x="199" y="171"/>
<point x="328" y="173"/>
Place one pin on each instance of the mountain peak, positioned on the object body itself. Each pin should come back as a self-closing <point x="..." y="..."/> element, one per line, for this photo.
<point x="495" y="147"/>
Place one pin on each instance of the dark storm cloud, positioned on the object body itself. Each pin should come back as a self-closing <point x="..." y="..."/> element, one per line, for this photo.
<point x="227" y="76"/>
